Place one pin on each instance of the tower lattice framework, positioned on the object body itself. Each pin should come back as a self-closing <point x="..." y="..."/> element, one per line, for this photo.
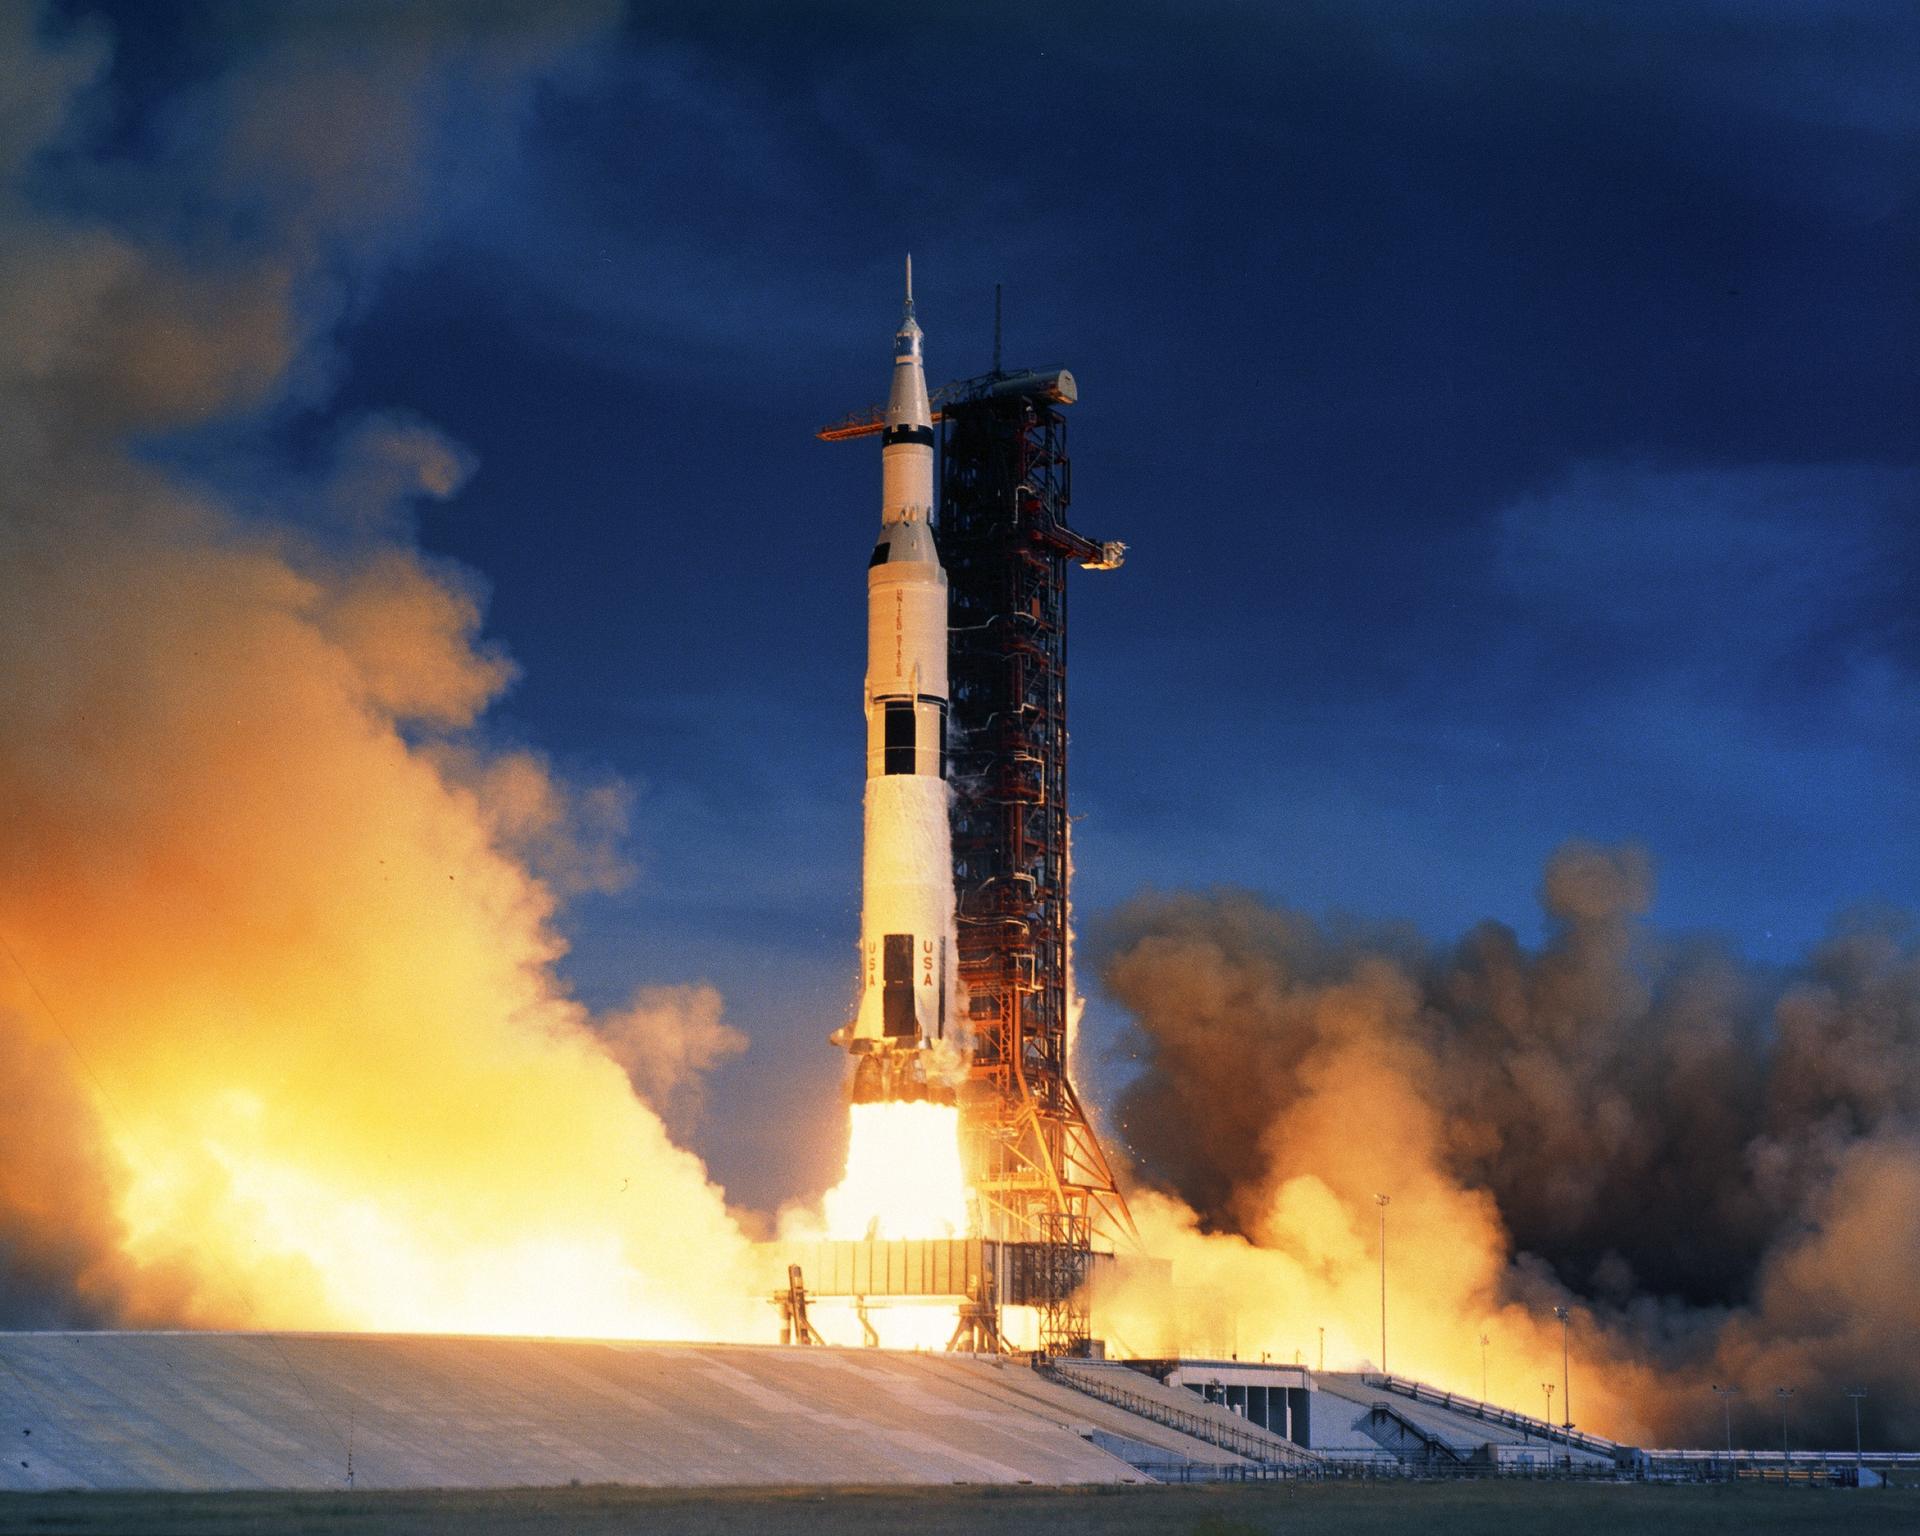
<point x="1037" y="1164"/>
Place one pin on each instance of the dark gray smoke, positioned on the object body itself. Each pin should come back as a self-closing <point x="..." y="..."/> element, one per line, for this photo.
<point x="1720" y="1160"/>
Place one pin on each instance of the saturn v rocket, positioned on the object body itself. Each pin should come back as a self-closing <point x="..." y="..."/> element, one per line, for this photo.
<point x="899" y="1033"/>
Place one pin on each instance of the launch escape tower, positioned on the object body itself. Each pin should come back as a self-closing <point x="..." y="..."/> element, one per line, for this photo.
<point x="1046" y="1190"/>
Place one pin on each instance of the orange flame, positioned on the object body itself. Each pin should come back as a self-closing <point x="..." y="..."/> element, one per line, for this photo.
<point x="903" y="1177"/>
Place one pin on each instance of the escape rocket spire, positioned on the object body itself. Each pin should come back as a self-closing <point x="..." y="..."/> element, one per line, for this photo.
<point x="906" y="922"/>
<point x="906" y="452"/>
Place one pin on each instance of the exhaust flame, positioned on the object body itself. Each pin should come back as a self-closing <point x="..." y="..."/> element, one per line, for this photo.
<point x="903" y="1177"/>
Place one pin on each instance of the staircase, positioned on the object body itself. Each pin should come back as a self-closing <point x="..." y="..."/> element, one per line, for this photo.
<point x="1383" y="1420"/>
<point x="1203" y="1421"/>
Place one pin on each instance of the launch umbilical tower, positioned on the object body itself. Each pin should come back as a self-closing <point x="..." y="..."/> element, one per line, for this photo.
<point x="1039" y="1170"/>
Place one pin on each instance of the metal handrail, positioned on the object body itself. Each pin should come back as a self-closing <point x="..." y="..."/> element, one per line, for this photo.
<point x="1255" y="1444"/>
<point x="1454" y="1402"/>
<point x="1758" y="1458"/>
<point x="1433" y="1442"/>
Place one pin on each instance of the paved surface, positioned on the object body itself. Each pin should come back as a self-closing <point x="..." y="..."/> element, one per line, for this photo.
<point x="1341" y="1402"/>
<point x="284" y="1411"/>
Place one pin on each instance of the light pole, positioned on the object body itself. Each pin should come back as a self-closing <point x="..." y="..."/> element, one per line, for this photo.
<point x="1546" y="1433"/>
<point x="1726" y="1396"/>
<point x="1566" y="1374"/>
<point x="1383" y="1201"/>
<point x="1856" y="1393"/>
<point x="1484" y="1341"/>
<point x="1323" y="1346"/>
<point x="1783" y="1393"/>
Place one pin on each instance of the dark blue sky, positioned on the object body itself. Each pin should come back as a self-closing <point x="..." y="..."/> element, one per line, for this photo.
<point x="1511" y="411"/>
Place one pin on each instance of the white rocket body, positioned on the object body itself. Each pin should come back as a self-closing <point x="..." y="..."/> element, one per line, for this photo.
<point x="907" y="982"/>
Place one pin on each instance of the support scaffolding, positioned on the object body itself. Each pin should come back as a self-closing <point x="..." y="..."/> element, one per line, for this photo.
<point x="975" y="1276"/>
<point x="1036" y="1163"/>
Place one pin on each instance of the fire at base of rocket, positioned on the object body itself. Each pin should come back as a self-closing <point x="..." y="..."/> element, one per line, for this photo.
<point x="900" y="1030"/>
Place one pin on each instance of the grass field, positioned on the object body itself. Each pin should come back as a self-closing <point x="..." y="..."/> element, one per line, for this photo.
<point x="1373" y="1509"/>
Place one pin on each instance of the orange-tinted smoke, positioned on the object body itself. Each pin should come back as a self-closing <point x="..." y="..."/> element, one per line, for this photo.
<point x="1706" y="1162"/>
<point x="281" y="1038"/>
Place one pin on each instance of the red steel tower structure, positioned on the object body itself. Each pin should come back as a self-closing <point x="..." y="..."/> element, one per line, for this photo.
<point x="1005" y="486"/>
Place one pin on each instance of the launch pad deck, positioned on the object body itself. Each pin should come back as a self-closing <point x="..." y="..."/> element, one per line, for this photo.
<point x="364" y="1411"/>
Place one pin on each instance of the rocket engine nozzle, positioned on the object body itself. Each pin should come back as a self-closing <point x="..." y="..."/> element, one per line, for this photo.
<point x="898" y="1076"/>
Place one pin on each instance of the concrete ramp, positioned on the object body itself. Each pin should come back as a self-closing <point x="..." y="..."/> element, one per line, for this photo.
<point x="1411" y="1421"/>
<point x="220" y="1411"/>
<point x="1147" y="1399"/>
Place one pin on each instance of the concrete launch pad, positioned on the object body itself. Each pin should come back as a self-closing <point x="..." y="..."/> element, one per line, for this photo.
<point x="231" y="1411"/>
<point x="287" y="1411"/>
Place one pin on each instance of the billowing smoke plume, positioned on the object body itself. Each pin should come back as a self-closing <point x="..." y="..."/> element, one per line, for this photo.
<point x="667" y="1039"/>
<point x="281" y="1041"/>
<point x="1714" y="1164"/>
